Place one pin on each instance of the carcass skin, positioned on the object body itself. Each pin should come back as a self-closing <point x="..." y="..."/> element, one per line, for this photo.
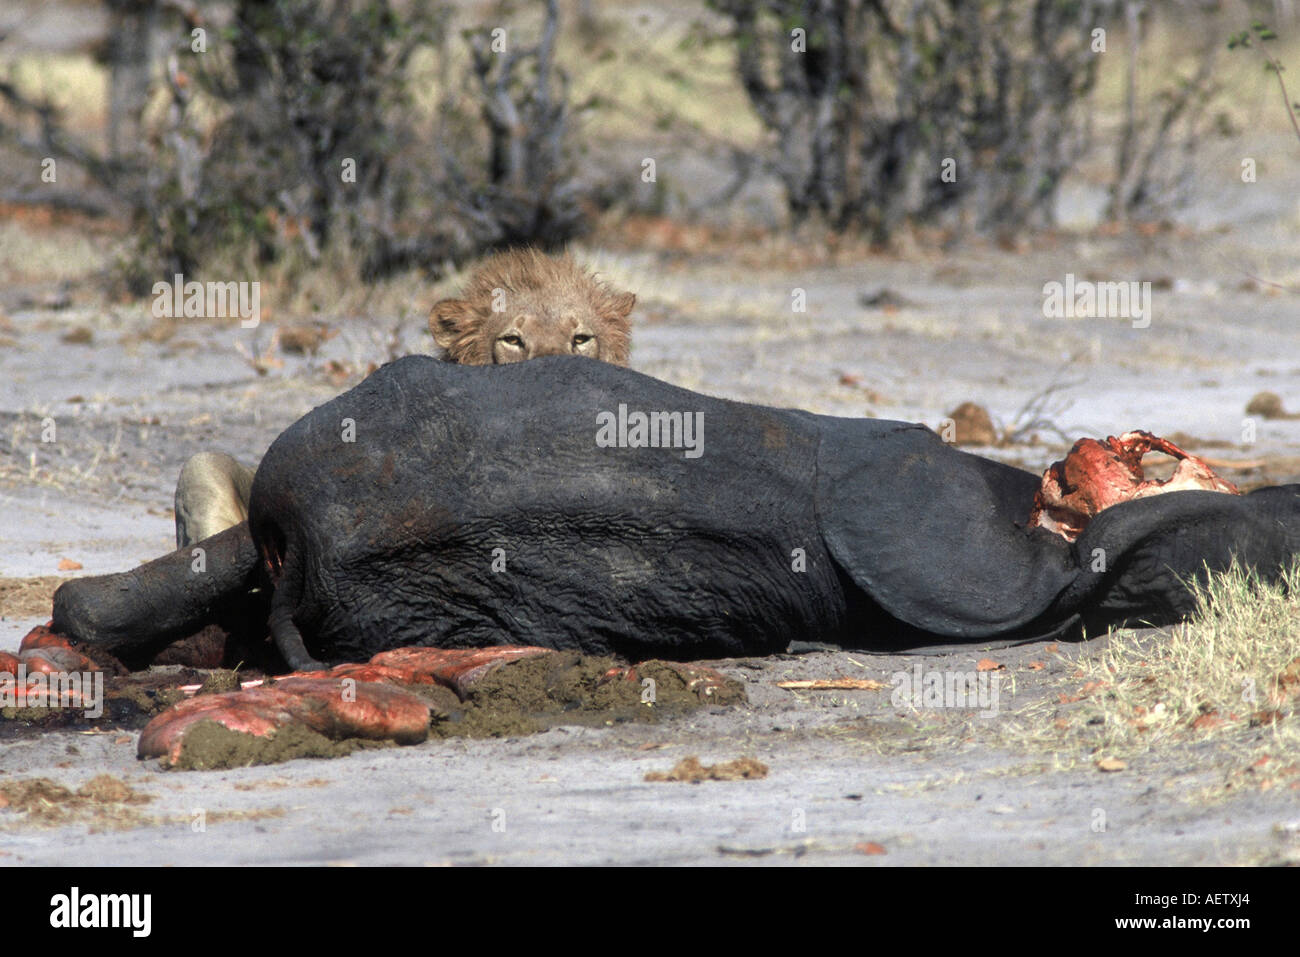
<point x="1096" y="475"/>
<point x="474" y="507"/>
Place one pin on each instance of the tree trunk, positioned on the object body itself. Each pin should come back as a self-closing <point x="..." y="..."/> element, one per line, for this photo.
<point x="130" y="63"/>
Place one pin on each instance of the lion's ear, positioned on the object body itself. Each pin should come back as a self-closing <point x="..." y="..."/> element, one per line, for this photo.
<point x="447" y="319"/>
<point x="621" y="305"/>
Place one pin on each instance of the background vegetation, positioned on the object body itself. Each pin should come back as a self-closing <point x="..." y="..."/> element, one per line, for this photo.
<point x="367" y="137"/>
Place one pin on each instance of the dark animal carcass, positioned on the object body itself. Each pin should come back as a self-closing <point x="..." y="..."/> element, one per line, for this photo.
<point x="571" y="504"/>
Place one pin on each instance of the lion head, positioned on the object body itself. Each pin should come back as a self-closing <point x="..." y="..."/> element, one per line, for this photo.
<point x="523" y="304"/>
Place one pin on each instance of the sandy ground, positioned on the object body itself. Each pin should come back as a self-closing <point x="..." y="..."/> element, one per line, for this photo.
<point x="579" y="796"/>
<point x="852" y="780"/>
<point x="848" y="770"/>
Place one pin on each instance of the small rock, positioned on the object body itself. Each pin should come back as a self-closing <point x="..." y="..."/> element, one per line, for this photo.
<point x="304" y="339"/>
<point x="972" y="425"/>
<point x="1269" y="405"/>
<point x="883" y="298"/>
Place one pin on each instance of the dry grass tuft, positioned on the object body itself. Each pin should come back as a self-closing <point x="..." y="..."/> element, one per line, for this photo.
<point x="1225" y="684"/>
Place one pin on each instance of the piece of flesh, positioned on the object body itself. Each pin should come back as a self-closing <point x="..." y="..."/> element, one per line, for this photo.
<point x="1097" y="475"/>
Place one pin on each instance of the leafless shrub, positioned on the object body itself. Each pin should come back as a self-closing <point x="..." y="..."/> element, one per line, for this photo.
<point x="291" y="130"/>
<point x="936" y="109"/>
<point x="1161" y="132"/>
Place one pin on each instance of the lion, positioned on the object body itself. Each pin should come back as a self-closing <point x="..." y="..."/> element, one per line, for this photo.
<point x="517" y="305"/>
<point x="523" y="304"/>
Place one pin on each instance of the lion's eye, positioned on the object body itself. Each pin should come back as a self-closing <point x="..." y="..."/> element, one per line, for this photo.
<point x="513" y="340"/>
<point x="581" y="339"/>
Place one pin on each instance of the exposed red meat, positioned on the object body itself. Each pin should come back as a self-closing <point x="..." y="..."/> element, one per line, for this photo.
<point x="1096" y="475"/>
<point x="42" y="637"/>
<point x="455" y="668"/>
<point x="335" y="707"/>
<point x="47" y="651"/>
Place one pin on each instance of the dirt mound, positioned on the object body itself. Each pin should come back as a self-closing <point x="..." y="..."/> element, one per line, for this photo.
<point x="534" y="694"/>
<point x="209" y="746"/>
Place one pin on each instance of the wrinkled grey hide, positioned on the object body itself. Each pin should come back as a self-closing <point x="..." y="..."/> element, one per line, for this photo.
<point x="474" y="506"/>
